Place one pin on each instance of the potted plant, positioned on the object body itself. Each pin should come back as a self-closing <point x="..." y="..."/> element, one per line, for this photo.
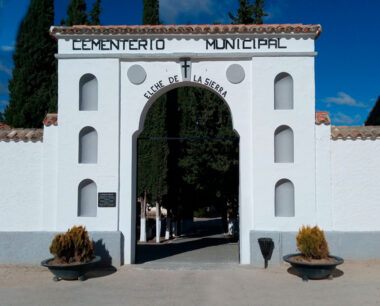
<point x="315" y="260"/>
<point x="73" y="255"/>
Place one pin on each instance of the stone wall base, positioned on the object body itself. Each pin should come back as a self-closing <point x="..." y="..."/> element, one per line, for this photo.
<point x="349" y="245"/>
<point x="30" y="248"/>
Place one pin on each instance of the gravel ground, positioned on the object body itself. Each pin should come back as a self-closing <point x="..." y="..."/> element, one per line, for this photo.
<point x="356" y="283"/>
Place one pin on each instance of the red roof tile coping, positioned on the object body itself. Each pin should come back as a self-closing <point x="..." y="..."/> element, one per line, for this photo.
<point x="296" y="28"/>
<point x="51" y="119"/>
<point x="21" y="135"/>
<point x="322" y="118"/>
<point x="4" y="126"/>
<point x="355" y="132"/>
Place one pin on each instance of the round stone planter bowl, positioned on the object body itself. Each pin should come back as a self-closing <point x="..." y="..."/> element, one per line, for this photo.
<point x="314" y="270"/>
<point x="70" y="272"/>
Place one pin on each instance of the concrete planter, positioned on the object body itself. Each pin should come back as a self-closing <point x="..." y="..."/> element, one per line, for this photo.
<point x="70" y="272"/>
<point x="313" y="270"/>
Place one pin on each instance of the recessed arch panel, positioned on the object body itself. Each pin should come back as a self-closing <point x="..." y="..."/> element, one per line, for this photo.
<point x="88" y="146"/>
<point x="87" y="198"/>
<point x="88" y="93"/>
<point x="283" y="145"/>
<point x="283" y="91"/>
<point x="284" y="199"/>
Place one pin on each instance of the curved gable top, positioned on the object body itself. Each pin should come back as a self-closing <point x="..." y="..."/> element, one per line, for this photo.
<point x="291" y="29"/>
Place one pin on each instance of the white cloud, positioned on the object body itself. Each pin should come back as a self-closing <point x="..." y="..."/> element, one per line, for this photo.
<point x="3" y="102"/>
<point x="5" y="69"/>
<point x="343" y="99"/>
<point x="7" y="48"/>
<point x="183" y="11"/>
<point x="341" y="118"/>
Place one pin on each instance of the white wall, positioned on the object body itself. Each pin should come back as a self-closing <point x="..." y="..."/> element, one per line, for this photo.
<point x="21" y="186"/>
<point x="355" y="185"/>
<point x="265" y="120"/>
<point x="71" y="121"/>
<point x="323" y="176"/>
<point x="49" y="162"/>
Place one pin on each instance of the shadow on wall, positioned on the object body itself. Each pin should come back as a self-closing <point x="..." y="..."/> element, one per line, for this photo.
<point x="100" y="250"/>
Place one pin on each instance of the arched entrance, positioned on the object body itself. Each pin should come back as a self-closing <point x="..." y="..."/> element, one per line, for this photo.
<point x="161" y="77"/>
<point x="188" y="165"/>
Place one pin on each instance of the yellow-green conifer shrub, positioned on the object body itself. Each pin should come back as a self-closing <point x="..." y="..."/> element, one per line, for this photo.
<point x="312" y="243"/>
<point x="73" y="246"/>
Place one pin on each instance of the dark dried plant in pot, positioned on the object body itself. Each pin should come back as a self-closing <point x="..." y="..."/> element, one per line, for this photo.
<point x="72" y="247"/>
<point x="73" y="254"/>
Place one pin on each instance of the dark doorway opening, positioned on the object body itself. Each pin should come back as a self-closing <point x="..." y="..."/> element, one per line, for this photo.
<point x="187" y="170"/>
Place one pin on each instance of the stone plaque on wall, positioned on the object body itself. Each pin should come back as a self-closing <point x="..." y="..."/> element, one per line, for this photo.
<point x="107" y="199"/>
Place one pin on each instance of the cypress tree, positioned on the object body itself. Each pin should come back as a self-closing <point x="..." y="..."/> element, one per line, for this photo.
<point x="209" y="165"/>
<point x="244" y="13"/>
<point x="151" y="14"/>
<point x="153" y="154"/>
<point x="76" y="13"/>
<point x="249" y="13"/>
<point x="259" y="11"/>
<point x="33" y="87"/>
<point x="95" y="13"/>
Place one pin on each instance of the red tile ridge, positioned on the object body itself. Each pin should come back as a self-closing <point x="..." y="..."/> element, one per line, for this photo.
<point x="322" y="118"/>
<point x="355" y="132"/>
<point x="18" y="134"/>
<point x="296" y="28"/>
<point x="4" y="126"/>
<point x="51" y="119"/>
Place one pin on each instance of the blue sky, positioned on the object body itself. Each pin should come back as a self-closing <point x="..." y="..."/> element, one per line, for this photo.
<point x="348" y="62"/>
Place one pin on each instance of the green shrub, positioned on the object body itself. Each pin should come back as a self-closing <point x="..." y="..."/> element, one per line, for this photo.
<point x="73" y="246"/>
<point x="312" y="243"/>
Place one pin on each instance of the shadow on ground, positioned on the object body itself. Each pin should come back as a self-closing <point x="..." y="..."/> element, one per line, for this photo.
<point x="100" y="271"/>
<point x="204" y="234"/>
<point x="336" y="273"/>
<point x="104" y="267"/>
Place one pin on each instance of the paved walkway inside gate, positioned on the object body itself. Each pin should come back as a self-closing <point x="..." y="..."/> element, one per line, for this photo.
<point x="205" y="244"/>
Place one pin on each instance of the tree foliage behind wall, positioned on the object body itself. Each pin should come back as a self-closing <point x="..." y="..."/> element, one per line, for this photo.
<point x="188" y="143"/>
<point x="249" y="13"/>
<point x="374" y="116"/>
<point x="208" y="160"/>
<point x="151" y="14"/>
<point x="77" y="13"/>
<point x="153" y="155"/>
<point x="33" y="87"/>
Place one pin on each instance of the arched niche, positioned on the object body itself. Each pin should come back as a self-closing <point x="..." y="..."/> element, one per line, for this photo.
<point x="88" y="93"/>
<point x="87" y="198"/>
<point x="283" y="91"/>
<point x="88" y="146"/>
<point x="283" y="145"/>
<point x="284" y="199"/>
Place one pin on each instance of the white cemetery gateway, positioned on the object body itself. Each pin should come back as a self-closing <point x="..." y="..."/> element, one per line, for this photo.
<point x="295" y="168"/>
